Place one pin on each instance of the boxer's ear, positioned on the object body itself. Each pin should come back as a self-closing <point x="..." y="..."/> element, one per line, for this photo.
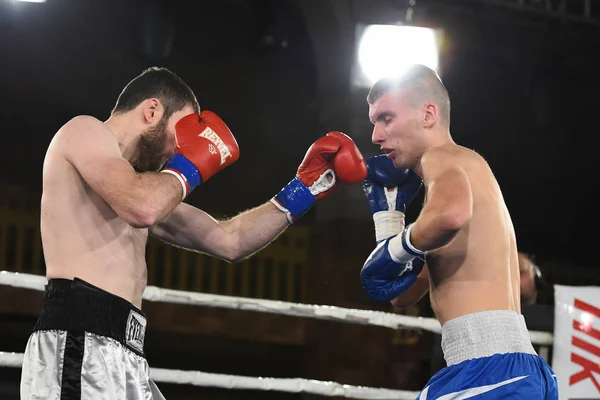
<point x="152" y="110"/>
<point x="430" y="115"/>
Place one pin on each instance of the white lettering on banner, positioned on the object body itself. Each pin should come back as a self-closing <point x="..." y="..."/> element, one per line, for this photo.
<point x="209" y="134"/>
<point x="586" y="327"/>
<point x="576" y="359"/>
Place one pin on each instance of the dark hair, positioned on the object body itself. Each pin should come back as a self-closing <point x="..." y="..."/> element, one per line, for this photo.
<point x="419" y="83"/>
<point x="160" y="83"/>
<point x="540" y="282"/>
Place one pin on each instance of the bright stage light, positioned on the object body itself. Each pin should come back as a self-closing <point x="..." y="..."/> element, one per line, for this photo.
<point x="386" y="50"/>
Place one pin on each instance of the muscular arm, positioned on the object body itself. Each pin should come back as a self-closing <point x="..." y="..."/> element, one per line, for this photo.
<point x="231" y="240"/>
<point x="449" y="203"/>
<point x="139" y="199"/>
<point x="416" y="292"/>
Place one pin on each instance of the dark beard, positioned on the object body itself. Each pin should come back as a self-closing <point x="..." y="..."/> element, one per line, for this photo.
<point x="150" y="148"/>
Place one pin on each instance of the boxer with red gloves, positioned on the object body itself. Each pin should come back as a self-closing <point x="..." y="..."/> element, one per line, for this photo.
<point x="106" y="187"/>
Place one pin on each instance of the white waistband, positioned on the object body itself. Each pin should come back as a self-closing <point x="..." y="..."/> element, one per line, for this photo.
<point x="484" y="334"/>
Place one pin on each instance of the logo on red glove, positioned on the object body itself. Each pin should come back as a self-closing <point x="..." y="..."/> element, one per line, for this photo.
<point x="210" y="135"/>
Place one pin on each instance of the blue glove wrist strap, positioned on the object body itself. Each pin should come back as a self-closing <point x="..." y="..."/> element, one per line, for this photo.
<point x="182" y="165"/>
<point x="295" y="198"/>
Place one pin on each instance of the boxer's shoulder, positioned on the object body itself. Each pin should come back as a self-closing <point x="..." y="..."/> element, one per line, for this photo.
<point x="451" y="151"/>
<point x="83" y="125"/>
<point x="82" y="132"/>
<point x="451" y="156"/>
<point x="437" y="160"/>
<point x="443" y="154"/>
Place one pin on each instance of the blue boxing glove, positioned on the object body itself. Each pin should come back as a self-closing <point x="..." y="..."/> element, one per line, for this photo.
<point x="392" y="267"/>
<point x="389" y="191"/>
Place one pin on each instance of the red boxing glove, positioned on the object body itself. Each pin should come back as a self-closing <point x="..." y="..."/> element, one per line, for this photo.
<point x="205" y="146"/>
<point x="331" y="158"/>
<point x="207" y="142"/>
<point x="348" y="163"/>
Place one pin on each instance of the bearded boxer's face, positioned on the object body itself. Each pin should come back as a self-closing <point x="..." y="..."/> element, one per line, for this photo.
<point x="150" y="148"/>
<point x="157" y="143"/>
<point x="396" y="129"/>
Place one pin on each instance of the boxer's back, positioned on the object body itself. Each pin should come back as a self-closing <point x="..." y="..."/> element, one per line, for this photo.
<point x="81" y="235"/>
<point x="478" y="270"/>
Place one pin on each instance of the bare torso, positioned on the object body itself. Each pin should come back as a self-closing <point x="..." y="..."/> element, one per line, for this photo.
<point x="83" y="237"/>
<point x="478" y="270"/>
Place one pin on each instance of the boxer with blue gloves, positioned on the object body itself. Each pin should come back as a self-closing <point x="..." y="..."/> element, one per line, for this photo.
<point x="465" y="229"/>
<point x="392" y="268"/>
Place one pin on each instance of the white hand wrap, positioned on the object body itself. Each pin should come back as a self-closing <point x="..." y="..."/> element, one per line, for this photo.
<point x="388" y="224"/>
<point x="401" y="249"/>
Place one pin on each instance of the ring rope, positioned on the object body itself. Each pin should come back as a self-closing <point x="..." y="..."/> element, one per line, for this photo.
<point x="292" y="385"/>
<point x="348" y="315"/>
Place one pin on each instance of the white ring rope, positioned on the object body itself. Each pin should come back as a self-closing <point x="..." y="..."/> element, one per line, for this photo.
<point x="292" y="385"/>
<point x="361" y="317"/>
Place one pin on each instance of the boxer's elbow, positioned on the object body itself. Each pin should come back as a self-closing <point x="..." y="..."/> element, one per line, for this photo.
<point x="235" y="259"/>
<point x="139" y="216"/>
<point x="236" y="253"/>
<point x="403" y="301"/>
<point x="453" y="220"/>
<point x="413" y="295"/>
<point x="232" y="254"/>
<point x="454" y="205"/>
<point x="141" y="221"/>
<point x="454" y="217"/>
<point x="230" y="247"/>
<point x="134" y="210"/>
<point x="406" y="300"/>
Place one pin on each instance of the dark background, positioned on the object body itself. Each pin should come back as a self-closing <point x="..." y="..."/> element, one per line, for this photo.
<point x="523" y="89"/>
<point x="522" y="82"/>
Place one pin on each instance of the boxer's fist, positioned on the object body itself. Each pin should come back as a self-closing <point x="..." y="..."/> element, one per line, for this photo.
<point x="348" y="163"/>
<point x="206" y="141"/>
<point x="331" y="159"/>
<point x="389" y="190"/>
<point x="383" y="176"/>
<point x="205" y="146"/>
<point x="384" y="277"/>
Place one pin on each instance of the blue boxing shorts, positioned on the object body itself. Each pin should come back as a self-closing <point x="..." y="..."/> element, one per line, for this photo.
<point x="490" y="356"/>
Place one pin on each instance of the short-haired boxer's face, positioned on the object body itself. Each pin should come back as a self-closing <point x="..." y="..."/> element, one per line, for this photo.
<point x="396" y="129"/>
<point x="157" y="143"/>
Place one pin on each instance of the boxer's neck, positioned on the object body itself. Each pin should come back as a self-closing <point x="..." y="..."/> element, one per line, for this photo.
<point x="127" y="131"/>
<point x="436" y="138"/>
